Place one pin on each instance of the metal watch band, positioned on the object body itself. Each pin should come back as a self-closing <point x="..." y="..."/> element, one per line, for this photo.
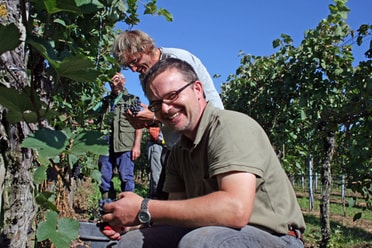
<point x="145" y="203"/>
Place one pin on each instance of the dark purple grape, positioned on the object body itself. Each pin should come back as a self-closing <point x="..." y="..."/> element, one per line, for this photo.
<point x="101" y="203"/>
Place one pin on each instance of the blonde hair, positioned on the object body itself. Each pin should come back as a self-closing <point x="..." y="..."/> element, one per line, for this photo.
<point x="132" y="42"/>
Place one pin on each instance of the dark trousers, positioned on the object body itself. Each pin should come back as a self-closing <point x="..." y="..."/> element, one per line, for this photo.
<point x="160" y="194"/>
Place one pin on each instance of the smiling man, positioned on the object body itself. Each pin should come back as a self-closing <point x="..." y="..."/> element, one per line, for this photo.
<point x="226" y="185"/>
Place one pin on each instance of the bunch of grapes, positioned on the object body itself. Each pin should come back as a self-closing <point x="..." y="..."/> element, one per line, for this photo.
<point x="135" y="107"/>
<point x="101" y="203"/>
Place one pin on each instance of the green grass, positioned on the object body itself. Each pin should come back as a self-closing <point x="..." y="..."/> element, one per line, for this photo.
<point x="88" y="195"/>
<point x="336" y="207"/>
<point x="140" y="189"/>
<point x="95" y="194"/>
<point x="343" y="235"/>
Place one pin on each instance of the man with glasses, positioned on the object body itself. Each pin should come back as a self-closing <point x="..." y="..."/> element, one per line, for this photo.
<point x="226" y="185"/>
<point x="136" y="50"/>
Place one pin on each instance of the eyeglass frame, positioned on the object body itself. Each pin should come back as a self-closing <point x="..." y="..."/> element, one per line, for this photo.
<point x="172" y="96"/>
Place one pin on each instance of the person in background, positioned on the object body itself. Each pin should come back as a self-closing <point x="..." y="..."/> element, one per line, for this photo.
<point x="226" y="185"/>
<point x="155" y="155"/>
<point x="137" y="51"/>
<point x="123" y="139"/>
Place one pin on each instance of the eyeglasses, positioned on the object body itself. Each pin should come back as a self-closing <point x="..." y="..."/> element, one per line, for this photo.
<point x="134" y="62"/>
<point x="168" y="98"/>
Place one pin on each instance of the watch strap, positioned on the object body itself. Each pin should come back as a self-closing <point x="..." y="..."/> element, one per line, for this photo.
<point x="144" y="204"/>
<point x="144" y="208"/>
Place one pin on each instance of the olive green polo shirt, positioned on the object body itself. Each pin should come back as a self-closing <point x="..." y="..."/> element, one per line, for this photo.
<point x="231" y="141"/>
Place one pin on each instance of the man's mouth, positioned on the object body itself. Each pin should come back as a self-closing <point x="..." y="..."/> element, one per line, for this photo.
<point x="174" y="116"/>
<point x="142" y="69"/>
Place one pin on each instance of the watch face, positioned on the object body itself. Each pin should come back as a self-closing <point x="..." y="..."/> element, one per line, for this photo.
<point x="144" y="216"/>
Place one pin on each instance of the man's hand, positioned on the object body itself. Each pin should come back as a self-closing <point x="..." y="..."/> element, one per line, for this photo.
<point x="143" y="119"/>
<point x="114" y="233"/>
<point x="124" y="211"/>
<point x="121" y="215"/>
<point x="118" y="78"/>
<point x="136" y="153"/>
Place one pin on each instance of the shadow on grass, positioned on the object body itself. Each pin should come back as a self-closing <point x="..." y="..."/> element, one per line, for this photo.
<point x="350" y="233"/>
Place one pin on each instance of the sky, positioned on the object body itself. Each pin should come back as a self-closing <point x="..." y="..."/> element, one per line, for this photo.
<point x="217" y="31"/>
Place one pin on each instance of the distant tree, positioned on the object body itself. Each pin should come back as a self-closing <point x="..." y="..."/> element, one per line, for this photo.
<point x="312" y="101"/>
<point x="54" y="59"/>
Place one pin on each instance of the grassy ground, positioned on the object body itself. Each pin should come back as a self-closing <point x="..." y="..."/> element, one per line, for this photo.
<point x="345" y="232"/>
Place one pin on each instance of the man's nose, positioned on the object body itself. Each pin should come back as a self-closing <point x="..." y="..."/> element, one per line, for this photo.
<point x="165" y="107"/>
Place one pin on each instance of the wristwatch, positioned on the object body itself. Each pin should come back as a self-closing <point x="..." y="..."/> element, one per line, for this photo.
<point x="144" y="215"/>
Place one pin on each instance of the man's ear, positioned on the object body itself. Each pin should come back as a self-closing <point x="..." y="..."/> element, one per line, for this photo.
<point x="199" y="87"/>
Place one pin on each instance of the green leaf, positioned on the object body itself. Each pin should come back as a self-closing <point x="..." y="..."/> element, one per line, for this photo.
<point x="73" y="6"/>
<point x="20" y="106"/>
<point x="168" y="16"/>
<point x="49" y="143"/>
<point x="60" y="21"/>
<point x="89" y="6"/>
<point x="40" y="174"/>
<point x="44" y="47"/>
<point x="60" y="233"/>
<point x="292" y="135"/>
<point x="69" y="228"/>
<point x="90" y="141"/>
<point x="150" y="8"/>
<point x="77" y="68"/>
<point x="52" y="7"/>
<point x="339" y="31"/>
<point x="287" y="39"/>
<point x="357" y="216"/>
<point x="72" y="160"/>
<point x="338" y="71"/>
<point x="351" y="202"/>
<point x="303" y="102"/>
<point x="344" y="14"/>
<point x="303" y="115"/>
<point x="276" y="43"/>
<point x="10" y="37"/>
<point x="12" y="100"/>
<point x="96" y="175"/>
<point x="42" y="200"/>
<point x="45" y="228"/>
